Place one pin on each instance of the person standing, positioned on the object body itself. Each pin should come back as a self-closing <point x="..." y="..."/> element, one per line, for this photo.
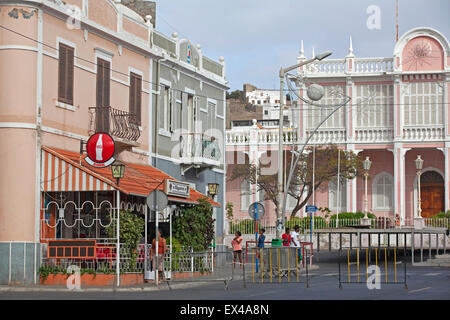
<point x="261" y="238"/>
<point x="236" y="243"/>
<point x="286" y="237"/>
<point x="295" y="240"/>
<point x="160" y="255"/>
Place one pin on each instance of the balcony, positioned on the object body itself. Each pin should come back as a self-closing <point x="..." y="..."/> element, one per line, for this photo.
<point x="199" y="151"/>
<point x="338" y="67"/>
<point x="121" y="125"/>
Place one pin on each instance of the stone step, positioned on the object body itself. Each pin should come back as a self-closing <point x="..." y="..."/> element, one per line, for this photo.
<point x="442" y="256"/>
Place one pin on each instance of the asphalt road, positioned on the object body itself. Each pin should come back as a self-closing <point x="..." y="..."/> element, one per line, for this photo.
<point x="423" y="283"/>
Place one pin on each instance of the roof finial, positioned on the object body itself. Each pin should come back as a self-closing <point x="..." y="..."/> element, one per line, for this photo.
<point x="350" y="49"/>
<point x="302" y="50"/>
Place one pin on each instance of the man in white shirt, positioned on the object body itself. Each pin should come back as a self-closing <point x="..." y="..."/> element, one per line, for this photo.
<point x="295" y="241"/>
<point x="295" y="237"/>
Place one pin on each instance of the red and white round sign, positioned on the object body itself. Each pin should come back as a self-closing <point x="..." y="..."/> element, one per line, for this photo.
<point x="100" y="149"/>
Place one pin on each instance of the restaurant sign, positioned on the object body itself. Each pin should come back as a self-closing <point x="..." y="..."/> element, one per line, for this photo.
<point x="176" y="188"/>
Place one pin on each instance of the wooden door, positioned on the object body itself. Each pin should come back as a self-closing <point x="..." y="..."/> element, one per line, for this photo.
<point x="432" y="200"/>
<point x="432" y="194"/>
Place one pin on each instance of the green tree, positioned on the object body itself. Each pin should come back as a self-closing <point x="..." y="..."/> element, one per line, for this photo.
<point x="194" y="226"/>
<point x="326" y="169"/>
<point x="236" y="94"/>
<point x="131" y="227"/>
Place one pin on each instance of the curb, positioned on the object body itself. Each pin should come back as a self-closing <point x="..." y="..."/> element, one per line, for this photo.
<point x="162" y="287"/>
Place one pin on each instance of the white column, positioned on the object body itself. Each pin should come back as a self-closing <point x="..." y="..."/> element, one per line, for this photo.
<point x="352" y="187"/>
<point x="447" y="173"/>
<point x="399" y="180"/>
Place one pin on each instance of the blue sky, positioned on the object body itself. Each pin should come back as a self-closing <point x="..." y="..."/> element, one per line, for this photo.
<point x="258" y="37"/>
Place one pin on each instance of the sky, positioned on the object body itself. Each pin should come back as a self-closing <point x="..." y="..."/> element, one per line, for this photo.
<point x="258" y="37"/>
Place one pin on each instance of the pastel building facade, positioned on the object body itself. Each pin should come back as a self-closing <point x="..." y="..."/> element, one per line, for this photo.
<point x="399" y="109"/>
<point x="70" y="69"/>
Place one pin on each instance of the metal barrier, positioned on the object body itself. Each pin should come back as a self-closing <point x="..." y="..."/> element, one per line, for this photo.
<point x="359" y="269"/>
<point x="277" y="265"/>
<point x="200" y="267"/>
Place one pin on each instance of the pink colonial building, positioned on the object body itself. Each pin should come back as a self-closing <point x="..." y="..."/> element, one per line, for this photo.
<point x="69" y="69"/>
<point x="399" y="109"/>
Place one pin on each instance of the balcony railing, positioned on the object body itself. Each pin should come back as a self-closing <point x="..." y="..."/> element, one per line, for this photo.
<point x="199" y="149"/>
<point x="361" y="65"/>
<point x="119" y="124"/>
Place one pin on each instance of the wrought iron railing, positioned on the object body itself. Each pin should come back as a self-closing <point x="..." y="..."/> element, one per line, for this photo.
<point x="118" y="123"/>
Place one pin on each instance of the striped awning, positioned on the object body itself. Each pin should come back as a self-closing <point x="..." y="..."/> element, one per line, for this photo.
<point x="59" y="173"/>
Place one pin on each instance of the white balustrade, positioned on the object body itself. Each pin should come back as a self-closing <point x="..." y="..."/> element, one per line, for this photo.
<point x="374" y="134"/>
<point x="361" y="65"/>
<point x="423" y="133"/>
<point x="373" y="65"/>
<point x="325" y="136"/>
<point x="259" y="136"/>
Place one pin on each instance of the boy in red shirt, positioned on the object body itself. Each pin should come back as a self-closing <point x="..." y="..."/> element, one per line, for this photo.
<point x="286" y="238"/>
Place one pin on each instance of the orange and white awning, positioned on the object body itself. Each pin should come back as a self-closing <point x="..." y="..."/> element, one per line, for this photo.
<point x="59" y="173"/>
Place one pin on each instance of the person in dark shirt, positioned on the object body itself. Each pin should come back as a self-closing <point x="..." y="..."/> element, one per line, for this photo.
<point x="261" y="238"/>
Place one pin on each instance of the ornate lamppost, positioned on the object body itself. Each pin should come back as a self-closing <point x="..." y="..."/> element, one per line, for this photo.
<point x="418" y="221"/>
<point x="366" y="166"/>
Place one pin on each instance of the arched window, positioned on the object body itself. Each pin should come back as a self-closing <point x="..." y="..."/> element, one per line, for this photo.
<point x="245" y="195"/>
<point x="332" y="196"/>
<point x="383" y="192"/>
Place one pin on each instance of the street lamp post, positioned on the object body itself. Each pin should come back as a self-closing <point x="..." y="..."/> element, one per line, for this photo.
<point x="280" y="188"/>
<point x="418" y="221"/>
<point x="366" y="166"/>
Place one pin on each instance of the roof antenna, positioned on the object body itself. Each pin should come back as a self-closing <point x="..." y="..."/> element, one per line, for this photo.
<point x="396" y="20"/>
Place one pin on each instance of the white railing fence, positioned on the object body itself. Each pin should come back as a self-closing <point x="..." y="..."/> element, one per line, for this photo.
<point x="248" y="226"/>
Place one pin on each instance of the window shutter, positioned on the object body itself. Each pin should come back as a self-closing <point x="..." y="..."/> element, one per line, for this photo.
<point x="69" y="79"/>
<point x="61" y="74"/>
<point x="99" y="83"/>
<point x="132" y="106"/>
<point x="106" y="82"/>
<point x="139" y="99"/>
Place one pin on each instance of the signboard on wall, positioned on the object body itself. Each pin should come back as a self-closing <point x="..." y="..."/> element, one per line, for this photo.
<point x="176" y="188"/>
<point x="100" y="150"/>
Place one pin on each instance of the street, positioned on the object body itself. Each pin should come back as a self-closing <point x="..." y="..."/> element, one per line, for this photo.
<point x="423" y="283"/>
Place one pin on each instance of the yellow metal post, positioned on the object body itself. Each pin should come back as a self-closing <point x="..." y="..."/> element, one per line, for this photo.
<point x="270" y="263"/>
<point x="395" y="263"/>
<point x="253" y="266"/>
<point x="262" y="266"/>
<point x="357" y="256"/>
<point x="288" y="263"/>
<point x="385" y="263"/>
<point x="376" y="262"/>
<point x="367" y="264"/>
<point x="279" y="266"/>
<point x="348" y="264"/>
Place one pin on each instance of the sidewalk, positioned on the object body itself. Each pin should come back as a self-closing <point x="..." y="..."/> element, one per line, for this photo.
<point x="137" y="288"/>
<point x="173" y="285"/>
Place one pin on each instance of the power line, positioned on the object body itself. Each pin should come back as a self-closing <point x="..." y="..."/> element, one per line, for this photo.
<point x="113" y="70"/>
<point x="179" y="90"/>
